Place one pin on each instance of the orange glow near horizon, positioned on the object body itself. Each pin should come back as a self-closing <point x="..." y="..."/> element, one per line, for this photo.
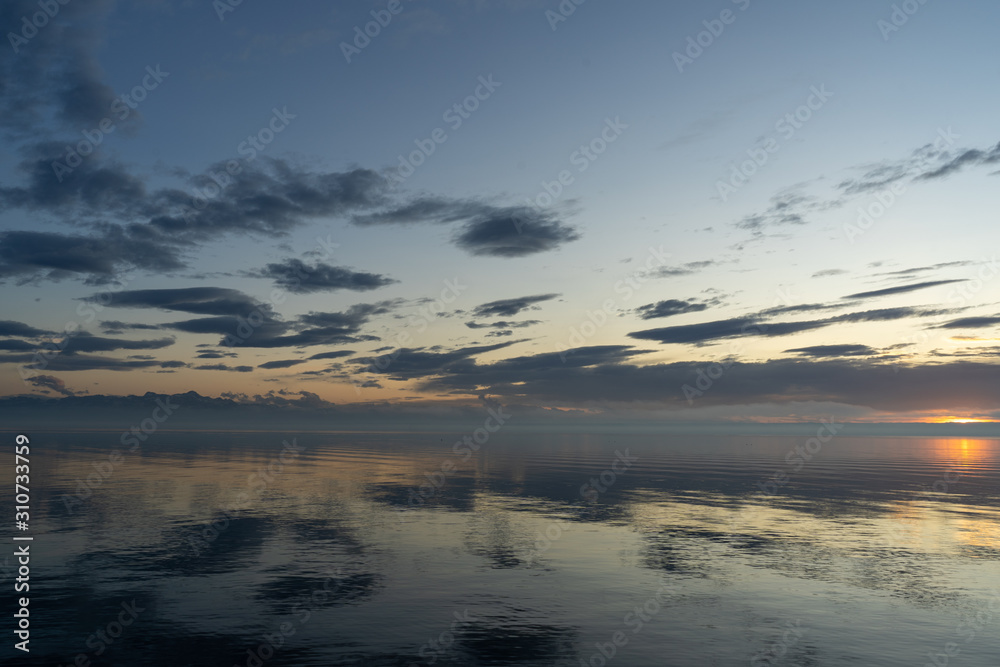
<point x="959" y="420"/>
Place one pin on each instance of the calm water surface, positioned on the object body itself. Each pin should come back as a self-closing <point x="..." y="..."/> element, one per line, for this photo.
<point x="393" y="549"/>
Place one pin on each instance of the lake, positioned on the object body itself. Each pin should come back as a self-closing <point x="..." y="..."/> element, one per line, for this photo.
<point x="201" y="548"/>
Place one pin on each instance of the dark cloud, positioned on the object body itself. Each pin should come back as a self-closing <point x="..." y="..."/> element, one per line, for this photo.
<point x="225" y="325"/>
<point x="333" y="355"/>
<point x="95" y="188"/>
<point x="514" y="232"/>
<point x="502" y="324"/>
<point x="801" y="308"/>
<point x="988" y="351"/>
<point x="59" y="78"/>
<point x="114" y="327"/>
<point x="900" y="289"/>
<point x="970" y="323"/>
<point x="224" y="367"/>
<point x="497" y="231"/>
<point x="889" y="314"/>
<point x="284" y="363"/>
<point x="56" y="73"/>
<point x="313" y="328"/>
<point x="16" y="345"/>
<point x="669" y="308"/>
<point x="829" y="272"/>
<point x="575" y="357"/>
<point x="50" y="382"/>
<point x="53" y="256"/>
<point x="859" y="382"/>
<point x="212" y="354"/>
<point x="280" y="398"/>
<point x="822" y="351"/>
<point x="466" y="376"/>
<point x="196" y="300"/>
<point x="79" y="362"/>
<point x="87" y="342"/>
<point x="269" y="197"/>
<point x="299" y="278"/>
<point x="349" y="320"/>
<point x="705" y="332"/>
<point x="511" y="307"/>
<point x="133" y="226"/>
<point x="683" y="270"/>
<point x="14" y="328"/>
<point x="406" y="363"/>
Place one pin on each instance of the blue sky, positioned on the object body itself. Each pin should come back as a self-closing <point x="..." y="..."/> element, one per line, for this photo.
<point x="617" y="295"/>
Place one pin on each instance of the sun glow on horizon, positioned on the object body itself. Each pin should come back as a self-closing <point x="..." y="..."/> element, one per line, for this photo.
<point x="959" y="420"/>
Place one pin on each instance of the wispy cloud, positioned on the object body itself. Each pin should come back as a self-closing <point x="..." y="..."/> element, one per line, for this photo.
<point x="298" y="277"/>
<point x="671" y="307"/>
<point x="901" y="289"/>
<point x="511" y="307"/>
<point x="706" y="332"/>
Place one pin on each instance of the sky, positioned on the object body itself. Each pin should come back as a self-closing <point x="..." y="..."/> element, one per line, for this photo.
<point x="725" y="211"/>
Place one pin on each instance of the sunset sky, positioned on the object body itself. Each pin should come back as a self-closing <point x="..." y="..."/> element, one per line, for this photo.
<point x="732" y="210"/>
